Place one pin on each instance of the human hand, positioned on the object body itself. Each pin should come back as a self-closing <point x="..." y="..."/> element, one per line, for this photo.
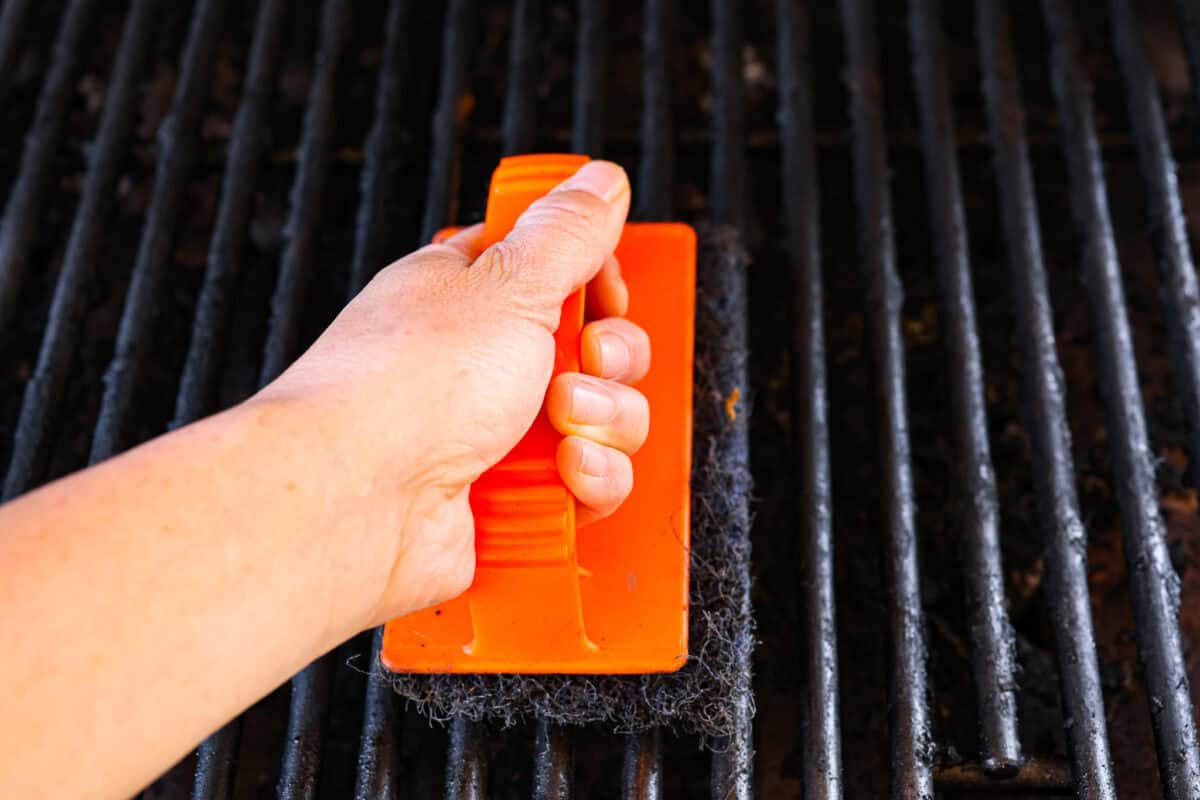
<point x="438" y="368"/>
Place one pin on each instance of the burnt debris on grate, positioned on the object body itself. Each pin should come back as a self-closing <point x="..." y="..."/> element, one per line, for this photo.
<point x="922" y="190"/>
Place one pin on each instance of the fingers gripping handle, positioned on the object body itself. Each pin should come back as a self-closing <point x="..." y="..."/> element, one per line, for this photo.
<point x="526" y="563"/>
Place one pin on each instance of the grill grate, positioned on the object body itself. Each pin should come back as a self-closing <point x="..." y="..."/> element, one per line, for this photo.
<point x="690" y="131"/>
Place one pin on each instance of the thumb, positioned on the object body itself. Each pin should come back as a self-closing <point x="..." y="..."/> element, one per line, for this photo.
<point x="561" y="240"/>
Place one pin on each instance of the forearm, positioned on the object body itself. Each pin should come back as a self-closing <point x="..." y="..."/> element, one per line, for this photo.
<point x="148" y="600"/>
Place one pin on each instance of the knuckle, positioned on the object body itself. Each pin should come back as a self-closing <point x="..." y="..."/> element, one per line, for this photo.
<point x="506" y="261"/>
<point x="580" y="208"/>
<point x="509" y="269"/>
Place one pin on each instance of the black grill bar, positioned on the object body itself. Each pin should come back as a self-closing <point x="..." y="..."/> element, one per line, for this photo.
<point x="551" y="768"/>
<point x="178" y="138"/>
<point x="724" y="320"/>
<point x="1045" y="414"/>
<point x="820" y="723"/>
<point x="380" y="159"/>
<point x="309" y="704"/>
<point x="216" y="762"/>
<point x="553" y="762"/>
<point x="587" y="125"/>
<point x="520" y="102"/>
<point x="12" y="37"/>
<point x="1189" y="26"/>
<point x="442" y="197"/>
<point x="466" y="765"/>
<point x="307" y="711"/>
<point x="198" y="383"/>
<point x="727" y="178"/>
<point x="378" y="753"/>
<point x="42" y="401"/>
<point x="308" y="194"/>
<point x="911" y="742"/>
<point x="993" y="651"/>
<point x="642" y="769"/>
<point x="34" y="179"/>
<point x="378" y="759"/>
<point x="1153" y="582"/>
<point x="656" y="173"/>
<point x="733" y="756"/>
<point x="1164" y="217"/>
<point x="215" y="766"/>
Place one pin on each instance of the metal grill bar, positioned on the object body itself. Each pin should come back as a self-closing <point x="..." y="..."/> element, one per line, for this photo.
<point x="198" y="383"/>
<point x="520" y="112"/>
<point x="993" y="651"/>
<point x="42" y="401"/>
<point x="379" y="757"/>
<point x="378" y="754"/>
<point x="32" y="187"/>
<point x="642" y="770"/>
<point x="309" y="705"/>
<point x="587" y="126"/>
<point x="520" y="103"/>
<point x="1189" y="25"/>
<point x="442" y="197"/>
<point x="727" y="179"/>
<point x="733" y="756"/>
<point x="1164" y="217"/>
<point x="820" y="723"/>
<point x="910" y="738"/>
<point x="553" y="763"/>
<point x="215" y="762"/>
<point x="552" y="769"/>
<point x="379" y="164"/>
<point x="656" y="173"/>
<point x="1153" y="582"/>
<point x="724" y="321"/>
<point x="178" y="137"/>
<point x="215" y="765"/>
<point x="308" y="194"/>
<point x="307" y="712"/>
<point x="1045" y="414"/>
<point x="12" y="37"/>
<point x="466" y="765"/>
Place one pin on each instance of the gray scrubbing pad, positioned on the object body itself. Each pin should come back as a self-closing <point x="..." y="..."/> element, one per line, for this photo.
<point x="700" y="697"/>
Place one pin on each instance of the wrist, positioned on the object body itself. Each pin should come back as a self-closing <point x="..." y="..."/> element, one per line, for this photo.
<point x="339" y="517"/>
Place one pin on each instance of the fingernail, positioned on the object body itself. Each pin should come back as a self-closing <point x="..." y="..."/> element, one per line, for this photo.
<point x="604" y="179"/>
<point x="592" y="461"/>
<point x="591" y="406"/>
<point x="614" y="355"/>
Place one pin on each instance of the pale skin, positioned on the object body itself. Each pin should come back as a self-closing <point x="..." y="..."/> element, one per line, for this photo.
<point x="147" y="600"/>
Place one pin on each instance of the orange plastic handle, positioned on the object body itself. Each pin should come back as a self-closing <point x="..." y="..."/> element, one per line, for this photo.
<point x="524" y="514"/>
